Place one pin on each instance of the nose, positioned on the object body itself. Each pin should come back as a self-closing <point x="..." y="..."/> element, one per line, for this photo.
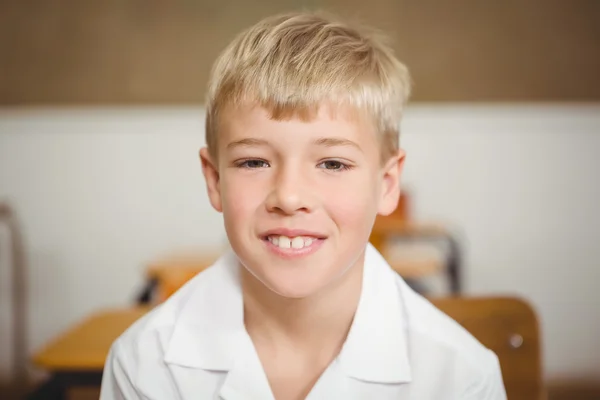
<point x="290" y="192"/>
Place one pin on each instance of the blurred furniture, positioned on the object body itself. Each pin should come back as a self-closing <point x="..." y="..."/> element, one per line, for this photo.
<point x="388" y="231"/>
<point x="19" y="295"/>
<point x="509" y="327"/>
<point x="76" y="357"/>
<point x="574" y="389"/>
<point x="166" y="275"/>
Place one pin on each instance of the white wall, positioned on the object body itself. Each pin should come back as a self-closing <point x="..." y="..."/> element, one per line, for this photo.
<point x="102" y="191"/>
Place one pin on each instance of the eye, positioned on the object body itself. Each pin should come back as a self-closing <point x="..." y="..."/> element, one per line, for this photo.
<point x="252" y="164"/>
<point x="333" y="165"/>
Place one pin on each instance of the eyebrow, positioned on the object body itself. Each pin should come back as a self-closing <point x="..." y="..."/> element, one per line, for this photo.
<point x="334" y="142"/>
<point x="247" y="142"/>
<point x="326" y="142"/>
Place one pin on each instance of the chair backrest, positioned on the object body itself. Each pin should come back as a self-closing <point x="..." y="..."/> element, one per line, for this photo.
<point x="509" y="327"/>
<point x="174" y="271"/>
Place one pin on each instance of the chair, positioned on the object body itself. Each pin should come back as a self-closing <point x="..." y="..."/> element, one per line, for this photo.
<point x="400" y="226"/>
<point x="508" y="327"/>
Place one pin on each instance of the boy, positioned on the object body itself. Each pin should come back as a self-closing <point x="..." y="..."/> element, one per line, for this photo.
<point x="302" y="154"/>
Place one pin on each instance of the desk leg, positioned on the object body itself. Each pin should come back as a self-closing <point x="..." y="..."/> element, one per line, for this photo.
<point x="52" y="389"/>
<point x="57" y="387"/>
<point x="454" y="266"/>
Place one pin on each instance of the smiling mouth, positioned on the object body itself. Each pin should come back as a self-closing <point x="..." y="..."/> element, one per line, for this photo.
<point x="297" y="242"/>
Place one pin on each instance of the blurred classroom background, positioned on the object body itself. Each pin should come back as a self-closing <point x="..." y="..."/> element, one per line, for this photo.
<point x="101" y="119"/>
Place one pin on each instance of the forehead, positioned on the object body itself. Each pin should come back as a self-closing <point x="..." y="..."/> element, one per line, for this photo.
<point x="326" y="120"/>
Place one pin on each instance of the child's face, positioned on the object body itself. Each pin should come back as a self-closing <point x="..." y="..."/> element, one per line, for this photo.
<point x="299" y="198"/>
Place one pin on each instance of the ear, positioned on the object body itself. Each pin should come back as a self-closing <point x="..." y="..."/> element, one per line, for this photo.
<point x="390" y="184"/>
<point x="211" y="175"/>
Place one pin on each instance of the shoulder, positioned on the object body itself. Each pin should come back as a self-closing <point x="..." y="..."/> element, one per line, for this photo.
<point x="153" y="331"/>
<point x="428" y="323"/>
<point x="177" y="335"/>
<point x="146" y="341"/>
<point x="436" y="339"/>
<point x="137" y="366"/>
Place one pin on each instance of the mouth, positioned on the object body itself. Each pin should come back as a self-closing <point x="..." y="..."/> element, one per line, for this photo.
<point x="286" y="242"/>
<point x="293" y="243"/>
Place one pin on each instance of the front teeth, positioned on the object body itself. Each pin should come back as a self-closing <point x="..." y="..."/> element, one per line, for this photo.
<point x="297" y="242"/>
<point x="284" y="242"/>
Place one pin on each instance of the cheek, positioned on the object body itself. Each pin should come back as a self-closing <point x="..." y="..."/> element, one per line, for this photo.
<point x="240" y="196"/>
<point x="352" y="203"/>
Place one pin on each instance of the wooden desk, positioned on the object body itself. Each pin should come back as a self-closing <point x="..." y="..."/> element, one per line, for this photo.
<point x="387" y="226"/>
<point x="76" y="358"/>
<point x="167" y="275"/>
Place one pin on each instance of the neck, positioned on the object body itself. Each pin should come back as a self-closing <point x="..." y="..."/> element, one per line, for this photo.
<point x="323" y="318"/>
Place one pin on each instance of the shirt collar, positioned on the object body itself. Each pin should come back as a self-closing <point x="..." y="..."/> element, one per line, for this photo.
<point x="209" y="332"/>
<point x="376" y="347"/>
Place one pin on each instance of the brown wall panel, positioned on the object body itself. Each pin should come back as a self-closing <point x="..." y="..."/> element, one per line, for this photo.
<point x="153" y="51"/>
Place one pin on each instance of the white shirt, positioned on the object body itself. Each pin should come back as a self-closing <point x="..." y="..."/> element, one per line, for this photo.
<point x="195" y="346"/>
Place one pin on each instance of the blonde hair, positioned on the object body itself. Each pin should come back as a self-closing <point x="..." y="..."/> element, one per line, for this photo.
<point x="294" y="63"/>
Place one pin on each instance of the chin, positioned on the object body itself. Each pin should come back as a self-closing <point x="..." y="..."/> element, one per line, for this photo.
<point x="292" y="292"/>
<point x="291" y="287"/>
